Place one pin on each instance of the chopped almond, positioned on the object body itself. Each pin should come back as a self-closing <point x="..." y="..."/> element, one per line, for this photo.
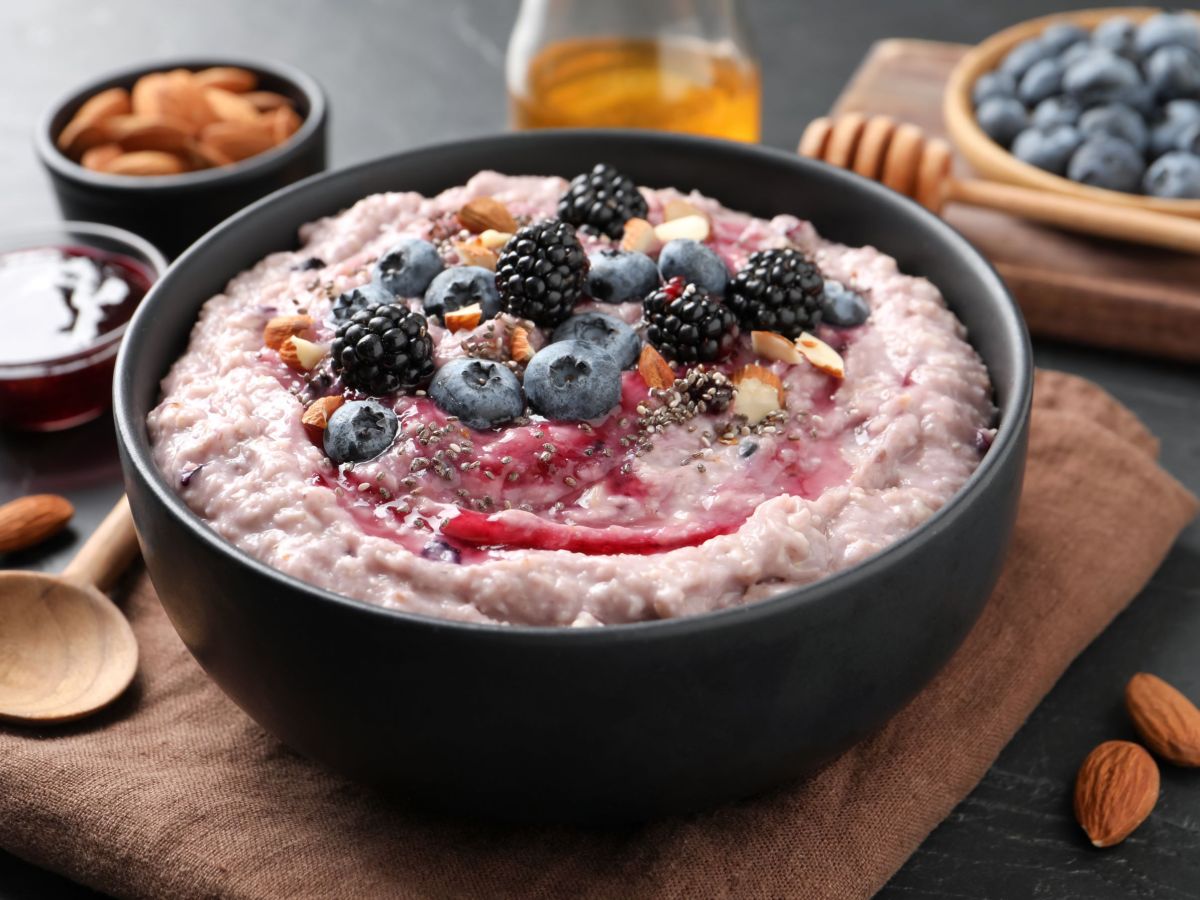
<point x="301" y="355"/>
<point x="680" y="208"/>
<point x="759" y="393"/>
<point x="281" y="328"/>
<point x="493" y="239"/>
<point x="694" y="228"/>
<point x="774" y="346"/>
<point x="655" y="370"/>
<point x="639" y="236"/>
<point x="465" y="318"/>
<point x="481" y="213"/>
<point x="821" y="355"/>
<point x="519" y="347"/>
<point x="474" y="253"/>
<point x="318" y="413"/>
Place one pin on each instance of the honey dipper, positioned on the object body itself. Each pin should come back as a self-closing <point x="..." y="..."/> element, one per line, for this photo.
<point x="903" y="158"/>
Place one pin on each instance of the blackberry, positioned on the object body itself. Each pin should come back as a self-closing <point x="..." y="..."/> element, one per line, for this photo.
<point x="777" y="290"/>
<point x="542" y="272"/>
<point x="383" y="349"/>
<point x="602" y="199"/>
<point x="689" y="325"/>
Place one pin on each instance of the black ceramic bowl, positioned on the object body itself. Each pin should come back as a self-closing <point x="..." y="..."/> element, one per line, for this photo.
<point x="618" y="723"/>
<point x="172" y="211"/>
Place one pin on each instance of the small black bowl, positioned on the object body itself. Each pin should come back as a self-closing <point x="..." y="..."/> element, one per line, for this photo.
<point x="171" y="211"/>
<point x="623" y="722"/>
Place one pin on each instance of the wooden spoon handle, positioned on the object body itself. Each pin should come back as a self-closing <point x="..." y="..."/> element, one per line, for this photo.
<point x="108" y="552"/>
<point x="1123" y="222"/>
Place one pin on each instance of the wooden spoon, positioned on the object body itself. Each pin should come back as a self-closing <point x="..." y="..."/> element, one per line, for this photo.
<point x="65" y="649"/>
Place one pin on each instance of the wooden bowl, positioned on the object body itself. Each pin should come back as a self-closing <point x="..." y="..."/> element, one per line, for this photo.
<point x="990" y="159"/>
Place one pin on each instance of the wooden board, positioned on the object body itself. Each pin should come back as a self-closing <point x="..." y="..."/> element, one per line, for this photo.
<point x="1070" y="287"/>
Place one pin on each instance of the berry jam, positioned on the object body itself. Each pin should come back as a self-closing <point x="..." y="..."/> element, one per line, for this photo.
<point x="61" y="309"/>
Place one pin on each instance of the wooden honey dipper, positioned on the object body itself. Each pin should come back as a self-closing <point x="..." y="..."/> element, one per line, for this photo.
<point x="903" y="158"/>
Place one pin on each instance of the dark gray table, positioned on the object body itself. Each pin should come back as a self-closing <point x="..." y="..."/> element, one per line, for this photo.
<point x="1014" y="836"/>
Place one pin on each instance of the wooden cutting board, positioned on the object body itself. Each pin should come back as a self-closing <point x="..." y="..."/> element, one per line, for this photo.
<point x="1071" y="287"/>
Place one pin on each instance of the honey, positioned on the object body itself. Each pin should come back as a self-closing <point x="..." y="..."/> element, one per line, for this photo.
<point x="675" y="85"/>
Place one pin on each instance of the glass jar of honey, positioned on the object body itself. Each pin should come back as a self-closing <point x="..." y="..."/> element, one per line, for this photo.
<point x="673" y="65"/>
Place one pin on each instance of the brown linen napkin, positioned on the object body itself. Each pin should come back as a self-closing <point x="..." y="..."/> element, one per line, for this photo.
<point x="175" y="793"/>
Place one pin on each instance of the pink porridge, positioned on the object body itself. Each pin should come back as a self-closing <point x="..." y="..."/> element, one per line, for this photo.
<point x="531" y="401"/>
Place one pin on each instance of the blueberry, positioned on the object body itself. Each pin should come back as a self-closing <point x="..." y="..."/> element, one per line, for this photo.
<point x="993" y="84"/>
<point x="461" y="286"/>
<point x="1168" y="133"/>
<point x="439" y="551"/>
<point x="481" y="392"/>
<point x="365" y="296"/>
<point x="1167" y="29"/>
<point x="1173" y="72"/>
<point x="1024" y="55"/>
<point x="408" y="267"/>
<point x="1101" y="77"/>
<point x="618" y="276"/>
<point x="1048" y="148"/>
<point x="607" y="332"/>
<point x="1175" y="175"/>
<point x="1074" y="53"/>
<point x="696" y="263"/>
<point x="1002" y="120"/>
<point x="1188" y="140"/>
<point x="1056" y="111"/>
<point x="1115" y="119"/>
<point x="1063" y="35"/>
<point x="841" y="306"/>
<point x="309" y="264"/>
<point x="1042" y="80"/>
<point x="359" y="430"/>
<point x="747" y="447"/>
<point x="1107" y="162"/>
<point x="572" y="380"/>
<point x="1116" y="34"/>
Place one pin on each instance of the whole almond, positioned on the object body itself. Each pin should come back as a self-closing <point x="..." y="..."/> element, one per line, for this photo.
<point x="483" y="213"/>
<point x="97" y="108"/>
<point x="230" y="107"/>
<point x="1115" y="790"/>
<point x="205" y="156"/>
<point x="173" y="95"/>
<point x="228" y="78"/>
<point x="284" y="122"/>
<point x="265" y="101"/>
<point x="317" y="415"/>
<point x="238" y="140"/>
<point x="98" y="158"/>
<point x="280" y="328"/>
<point x="146" y="162"/>
<point x="79" y="137"/>
<point x="30" y="520"/>
<point x="1168" y="721"/>
<point x="147" y="133"/>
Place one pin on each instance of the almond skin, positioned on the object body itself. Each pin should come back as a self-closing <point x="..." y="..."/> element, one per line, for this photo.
<point x="484" y="213"/>
<point x="280" y="328"/>
<point x="1168" y="721"/>
<point x="30" y="520"/>
<point x="655" y="371"/>
<point x="1115" y="791"/>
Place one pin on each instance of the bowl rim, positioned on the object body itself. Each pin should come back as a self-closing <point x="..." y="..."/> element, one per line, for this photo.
<point x="1009" y="440"/>
<point x="106" y="344"/>
<point x="990" y="159"/>
<point x="241" y="171"/>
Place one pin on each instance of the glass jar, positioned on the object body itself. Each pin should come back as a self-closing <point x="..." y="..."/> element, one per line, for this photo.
<point x="673" y="65"/>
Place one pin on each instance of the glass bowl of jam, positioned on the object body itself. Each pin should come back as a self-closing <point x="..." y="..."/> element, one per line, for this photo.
<point x="67" y="293"/>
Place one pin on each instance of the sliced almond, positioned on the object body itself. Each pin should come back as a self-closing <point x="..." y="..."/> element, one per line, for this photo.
<point x="655" y="371"/>
<point x="317" y="415"/>
<point x="98" y="158"/>
<point x="228" y="78"/>
<point x="280" y="328"/>
<point x="759" y="393"/>
<point x="473" y="253"/>
<point x="519" y="347"/>
<point x="146" y="162"/>
<point x="483" y="213"/>
<point x="1115" y="790"/>
<point x="694" y="228"/>
<point x="821" y="355"/>
<point x="238" y="140"/>
<point x="230" y="107"/>
<point x="285" y="122"/>
<point x="265" y="101"/>
<point x="639" y="236"/>
<point x="97" y="108"/>
<point x="300" y="354"/>
<point x="464" y="318"/>
<point x="770" y="345"/>
<point x="146" y="133"/>
<point x="27" y="521"/>
<point x="679" y="209"/>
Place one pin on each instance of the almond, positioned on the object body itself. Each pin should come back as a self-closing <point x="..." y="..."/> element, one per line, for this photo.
<point x="1168" y="721"/>
<point x="228" y="78"/>
<point x="265" y="101"/>
<point x="317" y="415"/>
<point x="173" y="95"/>
<point x="693" y="228"/>
<point x="639" y="236"/>
<point x="655" y="371"/>
<point x="483" y="213"/>
<point x="464" y="318"/>
<point x="821" y="355"/>
<point x="238" y="140"/>
<point x="770" y="345"/>
<point x="493" y="239"/>
<point x="759" y="393"/>
<point x="79" y="137"/>
<point x="98" y="158"/>
<point x="474" y="253"/>
<point x="146" y="133"/>
<point x="146" y="162"/>
<point x="30" y="520"/>
<point x="285" y="122"/>
<point x="230" y="107"/>
<point x="1115" y="791"/>
<point x="300" y="354"/>
<point x="205" y="156"/>
<point x="680" y="208"/>
<point x="280" y="328"/>
<point x="97" y="108"/>
<point x="519" y="347"/>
